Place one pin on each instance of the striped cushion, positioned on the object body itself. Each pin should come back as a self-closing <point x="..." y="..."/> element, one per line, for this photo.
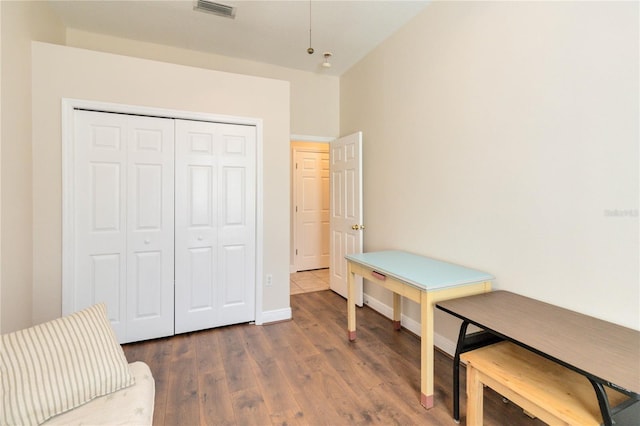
<point x="56" y="366"/>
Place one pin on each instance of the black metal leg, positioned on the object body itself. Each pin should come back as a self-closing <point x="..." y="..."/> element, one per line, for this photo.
<point x="603" y="402"/>
<point x="456" y="371"/>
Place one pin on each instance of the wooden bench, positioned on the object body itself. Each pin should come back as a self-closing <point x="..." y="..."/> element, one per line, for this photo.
<point x="543" y="388"/>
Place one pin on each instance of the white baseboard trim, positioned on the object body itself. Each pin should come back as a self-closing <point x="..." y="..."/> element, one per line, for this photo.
<point x="275" y="316"/>
<point x="292" y="269"/>
<point x="410" y="324"/>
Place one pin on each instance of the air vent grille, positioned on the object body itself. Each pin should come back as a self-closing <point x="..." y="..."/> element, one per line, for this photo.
<point x="215" y="8"/>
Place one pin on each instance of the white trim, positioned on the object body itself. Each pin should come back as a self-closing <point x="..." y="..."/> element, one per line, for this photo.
<point x="259" y="223"/>
<point x="307" y="138"/>
<point x="276" y="315"/>
<point x="410" y="324"/>
<point x="68" y="236"/>
<point x="69" y="105"/>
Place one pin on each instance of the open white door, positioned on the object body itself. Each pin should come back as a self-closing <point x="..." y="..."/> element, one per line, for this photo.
<point x="346" y="210"/>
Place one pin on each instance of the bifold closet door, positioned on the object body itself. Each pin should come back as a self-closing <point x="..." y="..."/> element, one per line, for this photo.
<point x="123" y="200"/>
<point x="215" y="220"/>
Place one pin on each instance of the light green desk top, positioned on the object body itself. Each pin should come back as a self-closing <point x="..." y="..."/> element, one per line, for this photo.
<point x="422" y="272"/>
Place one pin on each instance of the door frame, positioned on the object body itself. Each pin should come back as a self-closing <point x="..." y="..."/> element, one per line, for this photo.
<point x="68" y="105"/>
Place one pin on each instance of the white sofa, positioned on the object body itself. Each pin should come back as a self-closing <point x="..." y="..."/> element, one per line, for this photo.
<point x="129" y="406"/>
<point x="72" y="371"/>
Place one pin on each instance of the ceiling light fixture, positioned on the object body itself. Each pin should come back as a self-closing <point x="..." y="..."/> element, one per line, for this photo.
<point x="326" y="63"/>
<point x="310" y="49"/>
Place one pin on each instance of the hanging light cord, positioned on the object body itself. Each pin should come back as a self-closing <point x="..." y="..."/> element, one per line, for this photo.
<point x="310" y="49"/>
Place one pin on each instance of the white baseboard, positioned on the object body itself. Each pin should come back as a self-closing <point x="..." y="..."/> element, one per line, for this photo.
<point x="276" y="315"/>
<point x="410" y="324"/>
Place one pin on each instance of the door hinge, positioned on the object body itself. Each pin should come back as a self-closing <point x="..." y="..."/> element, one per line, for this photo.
<point x="296" y="209"/>
<point x="296" y="252"/>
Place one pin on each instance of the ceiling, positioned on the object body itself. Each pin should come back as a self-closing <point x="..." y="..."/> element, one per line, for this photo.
<point x="275" y="32"/>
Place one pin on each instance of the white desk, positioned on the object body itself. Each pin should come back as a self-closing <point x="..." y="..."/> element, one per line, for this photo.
<point x="421" y="279"/>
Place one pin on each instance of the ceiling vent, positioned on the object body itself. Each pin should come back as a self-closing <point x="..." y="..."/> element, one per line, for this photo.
<point x="215" y="8"/>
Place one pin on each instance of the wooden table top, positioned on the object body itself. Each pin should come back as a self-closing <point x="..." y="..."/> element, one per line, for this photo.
<point x="597" y="348"/>
<point x="421" y="272"/>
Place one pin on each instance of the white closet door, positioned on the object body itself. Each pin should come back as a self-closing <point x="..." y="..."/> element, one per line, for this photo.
<point x="215" y="224"/>
<point x="123" y="221"/>
<point x="100" y="167"/>
<point x="150" y="228"/>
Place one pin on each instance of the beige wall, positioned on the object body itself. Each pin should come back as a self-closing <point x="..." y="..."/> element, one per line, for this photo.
<point x="60" y="71"/>
<point x="21" y="23"/>
<point x="0" y="170"/>
<point x="504" y="136"/>
<point x="314" y="99"/>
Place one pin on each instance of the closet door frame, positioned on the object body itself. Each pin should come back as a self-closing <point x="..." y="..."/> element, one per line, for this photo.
<point x="69" y="105"/>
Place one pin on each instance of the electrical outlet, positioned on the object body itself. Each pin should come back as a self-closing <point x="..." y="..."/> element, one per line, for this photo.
<point x="269" y="280"/>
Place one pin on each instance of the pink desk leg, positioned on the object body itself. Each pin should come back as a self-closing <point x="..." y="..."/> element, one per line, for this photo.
<point x="426" y="401"/>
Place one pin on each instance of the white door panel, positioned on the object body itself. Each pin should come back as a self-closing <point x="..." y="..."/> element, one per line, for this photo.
<point x="152" y="219"/>
<point x="196" y="233"/>
<point x="346" y="210"/>
<point x="233" y="294"/>
<point x="124" y="221"/>
<point x="107" y="285"/>
<point x="100" y="248"/>
<point x="237" y="224"/>
<point x="150" y="228"/>
<point x="200" y="275"/>
<point x="311" y="210"/>
<point x="215" y="224"/>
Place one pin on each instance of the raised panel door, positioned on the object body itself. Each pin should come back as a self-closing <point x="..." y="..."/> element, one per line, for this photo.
<point x="123" y="221"/>
<point x="346" y="210"/>
<point x="312" y="210"/>
<point x="99" y="210"/>
<point x="215" y="224"/>
<point x="150" y="227"/>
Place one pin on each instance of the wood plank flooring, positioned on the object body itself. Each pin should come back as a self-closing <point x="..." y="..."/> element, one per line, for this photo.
<point x="303" y="372"/>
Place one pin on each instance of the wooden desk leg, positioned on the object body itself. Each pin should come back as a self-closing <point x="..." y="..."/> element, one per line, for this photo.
<point x="351" y="303"/>
<point x="397" y="311"/>
<point x="474" y="397"/>
<point x="426" y="350"/>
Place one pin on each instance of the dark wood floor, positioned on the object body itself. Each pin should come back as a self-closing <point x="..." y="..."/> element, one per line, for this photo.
<point x="303" y="372"/>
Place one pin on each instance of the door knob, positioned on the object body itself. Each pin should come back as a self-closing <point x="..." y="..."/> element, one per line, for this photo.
<point x="357" y="227"/>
